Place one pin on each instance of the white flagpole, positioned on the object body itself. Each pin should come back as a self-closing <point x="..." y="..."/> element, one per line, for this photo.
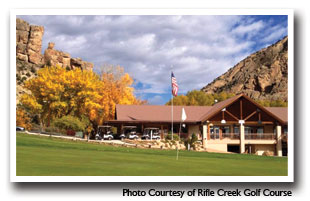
<point x="171" y="109"/>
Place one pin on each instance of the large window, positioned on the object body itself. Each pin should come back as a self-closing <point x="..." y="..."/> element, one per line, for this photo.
<point x="226" y="129"/>
<point x="215" y="132"/>
<point x="236" y="129"/>
<point x="248" y="130"/>
<point x="260" y="130"/>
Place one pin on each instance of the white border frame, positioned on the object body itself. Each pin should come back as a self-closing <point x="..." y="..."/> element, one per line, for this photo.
<point x="15" y="12"/>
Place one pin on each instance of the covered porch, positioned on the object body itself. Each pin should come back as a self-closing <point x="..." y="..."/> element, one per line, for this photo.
<point x="239" y="121"/>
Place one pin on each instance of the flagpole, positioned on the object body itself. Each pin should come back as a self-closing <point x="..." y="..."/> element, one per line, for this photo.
<point x="171" y="115"/>
<point x="180" y="131"/>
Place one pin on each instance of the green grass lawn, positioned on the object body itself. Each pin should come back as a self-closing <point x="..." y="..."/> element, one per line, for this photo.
<point x="45" y="156"/>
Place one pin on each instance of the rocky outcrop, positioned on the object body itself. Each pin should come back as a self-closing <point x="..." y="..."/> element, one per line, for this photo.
<point x="54" y="57"/>
<point x="29" y="42"/>
<point x="262" y="75"/>
<point x="29" y="57"/>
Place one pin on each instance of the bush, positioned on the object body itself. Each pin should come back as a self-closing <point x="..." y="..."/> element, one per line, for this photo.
<point x="71" y="123"/>
<point x="191" y="141"/>
<point x="175" y="137"/>
<point x="23" y="79"/>
<point x="33" y="70"/>
<point x="18" y="78"/>
<point x="52" y="129"/>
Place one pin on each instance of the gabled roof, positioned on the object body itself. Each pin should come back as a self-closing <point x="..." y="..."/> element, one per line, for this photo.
<point x="195" y="114"/>
<point x="221" y="105"/>
<point x="159" y="113"/>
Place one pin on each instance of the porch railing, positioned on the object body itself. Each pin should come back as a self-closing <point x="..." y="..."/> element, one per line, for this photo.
<point x="247" y="136"/>
<point x="260" y="136"/>
<point x="232" y="136"/>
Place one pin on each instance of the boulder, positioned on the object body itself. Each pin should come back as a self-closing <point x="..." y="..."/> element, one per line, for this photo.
<point x="22" y="57"/>
<point x="34" y="57"/>
<point x="76" y="62"/>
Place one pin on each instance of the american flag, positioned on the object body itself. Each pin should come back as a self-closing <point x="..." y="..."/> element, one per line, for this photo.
<point x="174" y="85"/>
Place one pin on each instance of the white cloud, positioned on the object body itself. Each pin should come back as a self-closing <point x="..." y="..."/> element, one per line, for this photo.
<point x="274" y="35"/>
<point x="249" y="28"/>
<point x="198" y="47"/>
<point x="155" y="100"/>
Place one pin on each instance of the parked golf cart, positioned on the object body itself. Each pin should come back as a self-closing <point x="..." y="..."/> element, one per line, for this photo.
<point x="104" y="133"/>
<point x="130" y="132"/>
<point x="151" y="133"/>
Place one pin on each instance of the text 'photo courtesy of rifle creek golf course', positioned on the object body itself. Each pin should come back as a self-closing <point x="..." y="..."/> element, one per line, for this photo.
<point x="152" y="95"/>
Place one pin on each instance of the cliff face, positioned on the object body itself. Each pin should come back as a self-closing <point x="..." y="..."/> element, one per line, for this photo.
<point x="262" y="75"/>
<point x="29" y="58"/>
<point x="28" y="42"/>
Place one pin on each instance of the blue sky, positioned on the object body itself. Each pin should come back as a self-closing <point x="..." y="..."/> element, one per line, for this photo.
<point x="199" y="48"/>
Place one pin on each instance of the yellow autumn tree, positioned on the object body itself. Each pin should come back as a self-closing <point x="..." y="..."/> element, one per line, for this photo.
<point x="58" y="92"/>
<point x="23" y="119"/>
<point x="115" y="89"/>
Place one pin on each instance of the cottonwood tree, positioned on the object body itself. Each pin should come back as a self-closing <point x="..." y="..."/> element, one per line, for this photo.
<point x="57" y="92"/>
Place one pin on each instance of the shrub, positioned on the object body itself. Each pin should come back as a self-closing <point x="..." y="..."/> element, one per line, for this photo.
<point x="71" y="123"/>
<point x="49" y="63"/>
<point x="33" y="70"/>
<point x="52" y="129"/>
<point x="175" y="137"/>
<point x="18" y="78"/>
<point x="23" y="79"/>
<point x="113" y="129"/>
<point x="28" y="74"/>
<point x="191" y="141"/>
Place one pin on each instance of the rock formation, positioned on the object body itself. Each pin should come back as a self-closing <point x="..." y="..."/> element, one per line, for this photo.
<point x="29" y="57"/>
<point x="29" y="42"/>
<point x="54" y="57"/>
<point x="262" y="75"/>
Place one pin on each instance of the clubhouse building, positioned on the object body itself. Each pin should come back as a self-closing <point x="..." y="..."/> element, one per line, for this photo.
<point x="238" y="124"/>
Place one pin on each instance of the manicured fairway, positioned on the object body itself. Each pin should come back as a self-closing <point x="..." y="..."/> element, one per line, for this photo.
<point x="49" y="156"/>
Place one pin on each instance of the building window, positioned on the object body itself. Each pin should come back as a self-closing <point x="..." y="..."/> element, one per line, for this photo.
<point x="236" y="129"/>
<point x="215" y="132"/>
<point x="248" y="130"/>
<point x="226" y="129"/>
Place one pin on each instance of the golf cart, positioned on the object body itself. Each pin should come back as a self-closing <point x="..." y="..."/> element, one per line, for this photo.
<point x="130" y="132"/>
<point x="104" y="133"/>
<point x="151" y="133"/>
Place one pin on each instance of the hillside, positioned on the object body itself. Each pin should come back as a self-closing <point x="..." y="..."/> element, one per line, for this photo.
<point x="262" y="75"/>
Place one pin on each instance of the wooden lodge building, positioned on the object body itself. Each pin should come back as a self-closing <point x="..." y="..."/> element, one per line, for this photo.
<point x="238" y="124"/>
